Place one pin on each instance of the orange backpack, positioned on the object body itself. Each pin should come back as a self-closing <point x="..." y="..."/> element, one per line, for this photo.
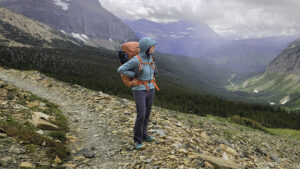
<point x="128" y="51"/>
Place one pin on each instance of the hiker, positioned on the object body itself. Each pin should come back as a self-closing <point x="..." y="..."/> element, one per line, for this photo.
<point x="143" y="93"/>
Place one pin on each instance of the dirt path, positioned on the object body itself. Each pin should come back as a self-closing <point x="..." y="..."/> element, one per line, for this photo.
<point x="87" y="126"/>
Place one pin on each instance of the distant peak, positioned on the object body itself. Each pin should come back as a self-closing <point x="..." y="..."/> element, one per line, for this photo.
<point x="88" y="3"/>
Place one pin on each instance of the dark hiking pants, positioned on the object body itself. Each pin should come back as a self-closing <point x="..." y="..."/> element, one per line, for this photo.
<point x="143" y="102"/>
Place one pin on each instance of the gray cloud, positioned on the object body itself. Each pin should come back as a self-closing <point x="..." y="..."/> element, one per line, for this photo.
<point x="230" y="18"/>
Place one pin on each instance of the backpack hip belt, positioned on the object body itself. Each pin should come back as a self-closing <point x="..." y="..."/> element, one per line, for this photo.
<point x="144" y="82"/>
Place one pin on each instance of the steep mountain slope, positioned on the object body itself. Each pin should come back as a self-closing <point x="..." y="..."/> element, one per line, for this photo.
<point x="17" y="30"/>
<point x="86" y="20"/>
<point x="280" y="84"/>
<point x="180" y="38"/>
<point x="288" y="62"/>
<point x="181" y="140"/>
<point x="248" y="55"/>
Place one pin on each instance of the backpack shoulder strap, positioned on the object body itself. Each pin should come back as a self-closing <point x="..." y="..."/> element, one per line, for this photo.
<point x="139" y="57"/>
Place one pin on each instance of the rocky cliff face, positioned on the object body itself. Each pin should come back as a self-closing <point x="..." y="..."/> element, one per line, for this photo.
<point x="86" y="20"/>
<point x="288" y="61"/>
<point x="102" y="125"/>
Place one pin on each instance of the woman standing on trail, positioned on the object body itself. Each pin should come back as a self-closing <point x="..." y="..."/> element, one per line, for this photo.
<point x="143" y="93"/>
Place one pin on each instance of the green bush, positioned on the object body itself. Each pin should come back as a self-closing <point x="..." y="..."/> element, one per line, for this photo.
<point x="247" y="122"/>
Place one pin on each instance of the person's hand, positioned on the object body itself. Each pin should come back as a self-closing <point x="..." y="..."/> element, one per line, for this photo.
<point x="155" y="72"/>
<point x="134" y="82"/>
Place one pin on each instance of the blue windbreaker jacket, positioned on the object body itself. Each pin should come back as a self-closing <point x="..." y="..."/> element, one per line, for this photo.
<point x="132" y="65"/>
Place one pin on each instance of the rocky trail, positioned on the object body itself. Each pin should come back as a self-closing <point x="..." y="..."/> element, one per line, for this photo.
<point x="91" y="133"/>
<point x="101" y="128"/>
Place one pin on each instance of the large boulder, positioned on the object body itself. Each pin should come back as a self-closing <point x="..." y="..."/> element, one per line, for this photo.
<point x="40" y="120"/>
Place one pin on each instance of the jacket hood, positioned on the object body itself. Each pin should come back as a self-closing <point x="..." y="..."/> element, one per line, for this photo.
<point x="145" y="43"/>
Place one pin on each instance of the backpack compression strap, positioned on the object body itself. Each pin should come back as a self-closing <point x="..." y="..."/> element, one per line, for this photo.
<point x="146" y="63"/>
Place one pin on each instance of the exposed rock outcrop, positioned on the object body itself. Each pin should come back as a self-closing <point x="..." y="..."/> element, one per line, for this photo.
<point x="40" y="120"/>
<point x="288" y="61"/>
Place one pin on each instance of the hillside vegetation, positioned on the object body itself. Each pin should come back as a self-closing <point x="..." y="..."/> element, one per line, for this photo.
<point x="96" y="70"/>
<point x="279" y="89"/>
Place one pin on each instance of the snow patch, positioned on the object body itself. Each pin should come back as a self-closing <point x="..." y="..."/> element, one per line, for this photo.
<point x="84" y="36"/>
<point x="293" y="46"/>
<point x="63" y="4"/>
<point x="81" y="37"/>
<point x="272" y="103"/>
<point x="62" y="31"/>
<point x="285" y="100"/>
<point x="255" y="91"/>
<point x="110" y="39"/>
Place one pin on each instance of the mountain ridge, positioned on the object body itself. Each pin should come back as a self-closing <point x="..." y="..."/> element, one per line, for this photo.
<point x="26" y="27"/>
<point x="96" y="27"/>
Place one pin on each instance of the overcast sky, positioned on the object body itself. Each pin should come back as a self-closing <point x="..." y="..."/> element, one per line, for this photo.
<point x="237" y="18"/>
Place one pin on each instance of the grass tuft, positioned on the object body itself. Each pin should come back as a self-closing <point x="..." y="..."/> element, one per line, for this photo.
<point x="58" y="135"/>
<point x="29" y="137"/>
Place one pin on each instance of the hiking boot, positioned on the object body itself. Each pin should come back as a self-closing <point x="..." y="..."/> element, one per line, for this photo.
<point x="148" y="138"/>
<point x="138" y="145"/>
